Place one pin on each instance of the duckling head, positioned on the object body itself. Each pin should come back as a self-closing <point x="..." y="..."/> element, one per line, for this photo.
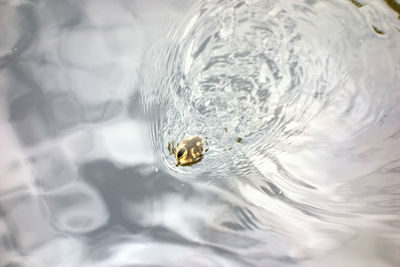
<point x="189" y="151"/>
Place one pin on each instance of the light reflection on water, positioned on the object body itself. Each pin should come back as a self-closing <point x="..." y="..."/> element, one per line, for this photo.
<point x="312" y="88"/>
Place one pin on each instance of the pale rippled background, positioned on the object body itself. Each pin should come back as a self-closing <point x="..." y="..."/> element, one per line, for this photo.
<point x="299" y="102"/>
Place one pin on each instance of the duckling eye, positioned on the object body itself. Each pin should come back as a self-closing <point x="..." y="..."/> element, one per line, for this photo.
<point x="180" y="153"/>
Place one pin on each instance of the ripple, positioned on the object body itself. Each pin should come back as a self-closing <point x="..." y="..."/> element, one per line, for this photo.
<point x="310" y="90"/>
<point x="77" y="208"/>
<point x="237" y="70"/>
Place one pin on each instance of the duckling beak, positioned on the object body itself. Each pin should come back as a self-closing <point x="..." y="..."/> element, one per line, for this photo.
<point x="177" y="163"/>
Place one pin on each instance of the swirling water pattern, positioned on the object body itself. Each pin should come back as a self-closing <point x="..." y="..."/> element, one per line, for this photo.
<point x="299" y="102"/>
<point x="296" y="84"/>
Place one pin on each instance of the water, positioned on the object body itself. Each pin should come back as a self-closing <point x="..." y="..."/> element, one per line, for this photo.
<point x="299" y="102"/>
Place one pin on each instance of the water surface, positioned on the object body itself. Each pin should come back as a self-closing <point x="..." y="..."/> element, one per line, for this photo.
<point x="299" y="102"/>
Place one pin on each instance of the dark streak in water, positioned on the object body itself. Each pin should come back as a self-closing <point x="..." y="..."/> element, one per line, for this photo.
<point x="377" y="30"/>
<point x="393" y="5"/>
<point x="356" y="3"/>
<point x="202" y="47"/>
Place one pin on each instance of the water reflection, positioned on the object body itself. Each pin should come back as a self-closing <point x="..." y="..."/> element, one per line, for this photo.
<point x="92" y="93"/>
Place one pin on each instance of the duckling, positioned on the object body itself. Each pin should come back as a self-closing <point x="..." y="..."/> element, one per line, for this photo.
<point x="189" y="151"/>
